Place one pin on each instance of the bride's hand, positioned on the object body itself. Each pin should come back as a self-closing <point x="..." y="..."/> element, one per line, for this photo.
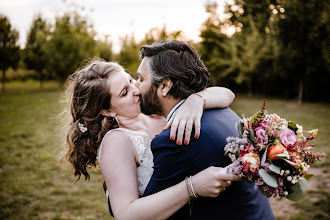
<point x="210" y="182"/>
<point x="189" y="114"/>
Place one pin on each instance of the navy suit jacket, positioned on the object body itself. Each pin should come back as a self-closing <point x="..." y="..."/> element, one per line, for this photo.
<point x="172" y="163"/>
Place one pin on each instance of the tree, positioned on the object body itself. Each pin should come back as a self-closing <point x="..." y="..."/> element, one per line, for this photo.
<point x="240" y="56"/>
<point x="129" y="53"/>
<point x="303" y="33"/>
<point x="71" y="42"/>
<point x="130" y="47"/>
<point x="9" y="50"/>
<point x="104" y="49"/>
<point x="34" y="56"/>
<point x="241" y="12"/>
<point x="159" y="34"/>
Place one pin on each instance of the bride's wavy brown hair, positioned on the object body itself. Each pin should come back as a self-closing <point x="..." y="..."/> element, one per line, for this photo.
<point x="89" y="91"/>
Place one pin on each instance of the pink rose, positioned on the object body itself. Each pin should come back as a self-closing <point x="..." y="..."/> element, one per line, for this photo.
<point x="287" y="137"/>
<point x="261" y="136"/>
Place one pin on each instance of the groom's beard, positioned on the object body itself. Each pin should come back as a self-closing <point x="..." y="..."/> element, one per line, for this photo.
<point x="150" y="103"/>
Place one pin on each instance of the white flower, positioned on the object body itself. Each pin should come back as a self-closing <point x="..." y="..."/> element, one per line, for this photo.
<point x="282" y="127"/>
<point x="287" y="172"/>
<point x="286" y="193"/>
<point x="300" y="129"/>
<point x="289" y="178"/>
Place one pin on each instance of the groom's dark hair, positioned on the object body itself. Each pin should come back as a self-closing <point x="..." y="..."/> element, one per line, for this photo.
<point x="179" y="62"/>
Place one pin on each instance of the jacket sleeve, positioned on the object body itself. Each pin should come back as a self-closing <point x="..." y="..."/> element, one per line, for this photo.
<point x="171" y="164"/>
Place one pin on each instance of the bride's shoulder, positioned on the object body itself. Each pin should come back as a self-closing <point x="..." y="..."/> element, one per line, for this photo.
<point x="115" y="137"/>
<point x="115" y="142"/>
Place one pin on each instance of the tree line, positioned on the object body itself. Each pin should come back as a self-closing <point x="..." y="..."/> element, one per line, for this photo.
<point x="279" y="48"/>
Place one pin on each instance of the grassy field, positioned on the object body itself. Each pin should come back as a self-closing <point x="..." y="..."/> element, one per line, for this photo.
<point x="36" y="184"/>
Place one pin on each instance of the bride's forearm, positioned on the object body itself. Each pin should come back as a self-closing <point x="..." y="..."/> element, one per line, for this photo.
<point x="160" y="205"/>
<point x="217" y="97"/>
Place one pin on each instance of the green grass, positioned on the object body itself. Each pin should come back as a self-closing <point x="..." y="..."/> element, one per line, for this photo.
<point x="35" y="184"/>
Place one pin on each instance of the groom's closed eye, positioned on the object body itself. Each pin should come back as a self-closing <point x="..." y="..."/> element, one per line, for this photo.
<point x="140" y="78"/>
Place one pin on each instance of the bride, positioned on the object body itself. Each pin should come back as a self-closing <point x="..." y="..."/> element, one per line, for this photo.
<point x="109" y="129"/>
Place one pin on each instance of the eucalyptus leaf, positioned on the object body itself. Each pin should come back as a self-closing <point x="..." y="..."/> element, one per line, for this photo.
<point x="251" y="134"/>
<point x="296" y="195"/>
<point x="274" y="168"/>
<point x="308" y="176"/>
<point x="239" y="127"/>
<point x="263" y="159"/>
<point x="302" y="183"/>
<point x="281" y="155"/>
<point x="268" y="178"/>
<point x="290" y="162"/>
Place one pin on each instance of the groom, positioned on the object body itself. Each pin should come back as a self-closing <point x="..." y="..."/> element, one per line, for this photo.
<point x="170" y="71"/>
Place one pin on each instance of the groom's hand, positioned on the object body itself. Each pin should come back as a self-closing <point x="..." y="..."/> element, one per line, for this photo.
<point x="210" y="182"/>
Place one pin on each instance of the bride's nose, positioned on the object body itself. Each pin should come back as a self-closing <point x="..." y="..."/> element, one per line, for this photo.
<point x="136" y="90"/>
<point x="137" y="84"/>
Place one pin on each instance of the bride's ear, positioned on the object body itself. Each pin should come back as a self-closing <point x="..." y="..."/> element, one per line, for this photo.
<point x="107" y="113"/>
<point x="165" y="86"/>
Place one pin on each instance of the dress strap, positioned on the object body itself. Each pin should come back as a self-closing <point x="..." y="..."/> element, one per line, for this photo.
<point x="130" y="133"/>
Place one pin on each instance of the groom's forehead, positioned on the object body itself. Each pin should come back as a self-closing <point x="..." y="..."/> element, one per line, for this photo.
<point x="143" y="70"/>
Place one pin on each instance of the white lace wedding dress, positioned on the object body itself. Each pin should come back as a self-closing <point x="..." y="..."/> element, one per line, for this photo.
<point x="141" y="141"/>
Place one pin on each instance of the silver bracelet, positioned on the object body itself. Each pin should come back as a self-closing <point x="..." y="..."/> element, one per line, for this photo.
<point x="187" y="185"/>
<point x="192" y="188"/>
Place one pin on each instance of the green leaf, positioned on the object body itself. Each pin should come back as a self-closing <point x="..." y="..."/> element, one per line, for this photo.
<point x="292" y="126"/>
<point x="251" y="134"/>
<point x="296" y="195"/>
<point x="258" y="117"/>
<point x="239" y="128"/>
<point x="308" y="176"/>
<point x="302" y="183"/>
<point x="263" y="159"/>
<point x="268" y="178"/>
<point x="282" y="155"/>
<point x="255" y="117"/>
<point x="275" y="169"/>
<point x="290" y="162"/>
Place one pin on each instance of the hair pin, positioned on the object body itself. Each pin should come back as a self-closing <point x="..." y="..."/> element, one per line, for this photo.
<point x="82" y="128"/>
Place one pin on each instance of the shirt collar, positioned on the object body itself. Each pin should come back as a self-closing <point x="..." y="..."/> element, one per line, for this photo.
<point x="174" y="109"/>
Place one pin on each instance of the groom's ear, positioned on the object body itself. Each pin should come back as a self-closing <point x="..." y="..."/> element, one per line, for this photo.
<point x="107" y="113"/>
<point x="165" y="86"/>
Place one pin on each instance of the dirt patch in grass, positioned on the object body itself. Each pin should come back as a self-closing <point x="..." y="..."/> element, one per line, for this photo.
<point x="318" y="189"/>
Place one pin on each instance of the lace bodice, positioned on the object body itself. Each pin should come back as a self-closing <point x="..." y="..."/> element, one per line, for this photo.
<point x="141" y="142"/>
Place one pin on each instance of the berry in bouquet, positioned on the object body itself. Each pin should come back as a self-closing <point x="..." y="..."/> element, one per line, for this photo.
<point x="273" y="153"/>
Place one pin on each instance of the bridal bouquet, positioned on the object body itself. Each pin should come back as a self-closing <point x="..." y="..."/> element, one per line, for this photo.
<point x="273" y="153"/>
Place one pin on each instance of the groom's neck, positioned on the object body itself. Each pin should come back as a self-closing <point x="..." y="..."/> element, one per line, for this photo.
<point x="169" y="104"/>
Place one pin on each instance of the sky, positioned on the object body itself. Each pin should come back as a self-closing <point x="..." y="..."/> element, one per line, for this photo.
<point x="114" y="17"/>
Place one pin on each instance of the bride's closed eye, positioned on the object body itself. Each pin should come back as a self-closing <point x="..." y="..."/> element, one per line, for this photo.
<point x="125" y="92"/>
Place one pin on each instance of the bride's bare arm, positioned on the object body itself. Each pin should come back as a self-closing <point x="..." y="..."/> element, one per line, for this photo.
<point x="118" y="165"/>
<point x="190" y="112"/>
